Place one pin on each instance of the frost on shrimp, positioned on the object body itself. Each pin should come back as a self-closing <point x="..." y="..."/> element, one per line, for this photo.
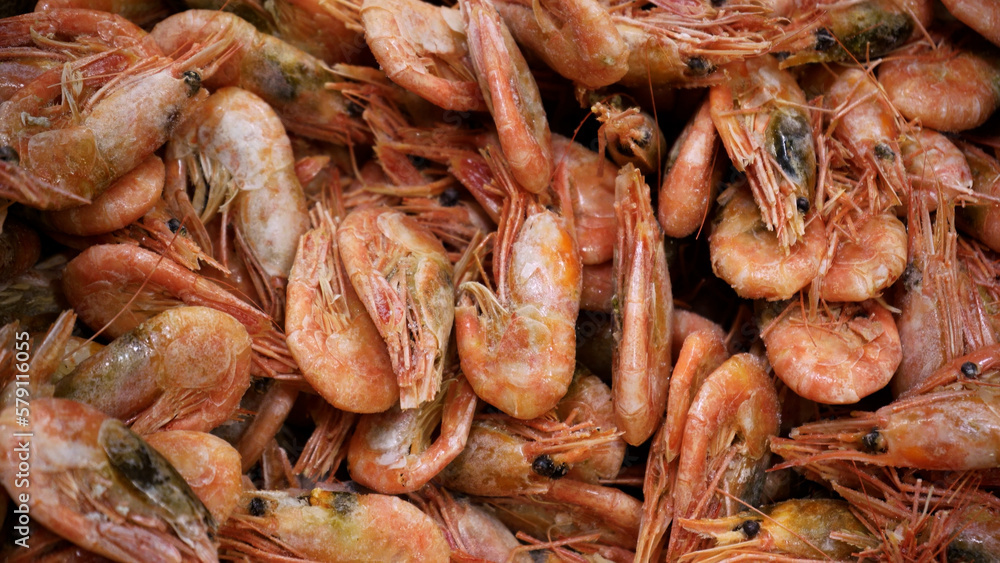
<point x="402" y="274"/>
<point x="214" y="348"/>
<point x="113" y="495"/>
<point x="517" y="346"/>
<point x="761" y="118"/>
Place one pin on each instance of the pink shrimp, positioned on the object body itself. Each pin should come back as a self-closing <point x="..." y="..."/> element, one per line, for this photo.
<point x="689" y="186"/>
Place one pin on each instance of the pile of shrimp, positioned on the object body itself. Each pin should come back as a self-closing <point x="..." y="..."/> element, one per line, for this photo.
<point x="497" y="280"/>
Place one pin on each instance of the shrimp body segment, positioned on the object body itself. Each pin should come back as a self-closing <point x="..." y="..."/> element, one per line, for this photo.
<point x="644" y="316"/>
<point x="838" y="358"/>
<point x="334" y="341"/>
<point x="415" y="42"/>
<point x="867" y="260"/>
<point x="758" y="114"/>
<point x="518" y="346"/>
<point x="511" y="94"/>
<point x="402" y="274"/>
<point x="136" y="377"/>
<point x="114" y="494"/>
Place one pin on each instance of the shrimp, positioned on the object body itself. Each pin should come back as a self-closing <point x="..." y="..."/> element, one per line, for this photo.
<point x="982" y="16"/>
<point x="982" y="219"/>
<point x="937" y="169"/>
<point x="948" y="430"/>
<point x="805" y="528"/>
<point x="292" y="82"/>
<point x="576" y="38"/>
<point x="271" y="412"/>
<point x="740" y="237"/>
<point x="404" y="278"/>
<point x="116" y="287"/>
<point x="114" y="495"/>
<point x="215" y="349"/>
<point x="925" y="86"/>
<point x="518" y="346"/>
<point x="589" y="399"/>
<point x="126" y="200"/>
<point x="592" y="189"/>
<point x="326" y="30"/>
<point x="631" y="135"/>
<point x="737" y="400"/>
<point x="330" y="526"/>
<point x="644" y="313"/>
<point x="868" y="256"/>
<point x="760" y="116"/>
<point x="511" y="95"/>
<point x="50" y="163"/>
<point x="142" y="13"/>
<point x="235" y="144"/>
<point x="391" y="452"/>
<point x="334" y="341"/>
<point x="689" y="186"/>
<point x="207" y="463"/>
<point x="837" y="355"/>
<point x="423" y="48"/>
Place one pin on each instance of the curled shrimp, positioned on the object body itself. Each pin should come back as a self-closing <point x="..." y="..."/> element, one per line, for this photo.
<point x="926" y="86"/>
<point x="291" y="81"/>
<point x="212" y="345"/>
<point x="737" y="400"/>
<point x="330" y="334"/>
<point x="115" y="495"/>
<point x="235" y="143"/>
<point x="760" y="116"/>
<point x="592" y="188"/>
<point x="126" y="200"/>
<point x="644" y="314"/>
<point x="739" y="237"/>
<point x="423" y="48"/>
<point x="837" y="355"/>
<point x="330" y="526"/>
<point x="801" y="527"/>
<point x="209" y="465"/>
<point x="576" y="38"/>
<point x="511" y="95"/>
<point x="402" y="274"/>
<point x="689" y="186"/>
<point x="948" y="430"/>
<point x="391" y="452"/>
<point x="869" y="255"/>
<point x="517" y="346"/>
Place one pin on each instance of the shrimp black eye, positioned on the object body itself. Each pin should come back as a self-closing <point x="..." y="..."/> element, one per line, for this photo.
<point x="257" y="507"/>
<point x="824" y="39"/>
<point x="8" y="154"/>
<point x="449" y="197"/>
<point x="802" y="204"/>
<point x="643" y="142"/>
<point x="750" y="528"/>
<point x="418" y="162"/>
<point x="544" y="466"/>
<point x="699" y="66"/>
<point x="193" y="81"/>
<point x="884" y="152"/>
<point x="970" y="369"/>
<point x="173" y="224"/>
<point x="354" y="110"/>
<point x="874" y="442"/>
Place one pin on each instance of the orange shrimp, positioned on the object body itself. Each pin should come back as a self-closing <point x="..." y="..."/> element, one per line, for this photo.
<point x="114" y="495"/>
<point x="937" y="169"/>
<point x="402" y="274"/>
<point x="517" y="346"/>
<point x="761" y="118"/>
<point x="391" y="452"/>
<point x="511" y="94"/>
<point x="982" y="219"/>
<point x="142" y="13"/>
<point x="589" y="399"/>
<point x="644" y="313"/>
<point x="423" y="48"/>
<point x="981" y="15"/>
<point x="837" y="355"/>
<point x="868" y="256"/>
<point x="215" y="349"/>
<point x="689" y="186"/>
<point x="334" y="341"/>
<point x="592" y="189"/>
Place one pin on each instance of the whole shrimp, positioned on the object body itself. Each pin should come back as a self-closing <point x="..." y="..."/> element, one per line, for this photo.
<point x="291" y="81"/>
<point x="518" y="346"/>
<point x="689" y="186"/>
<point x="423" y="48"/>
<point x="644" y="312"/>
<point x="330" y="334"/>
<point x="402" y="274"/>
<point x="240" y="160"/>
<point x="511" y="95"/>
<point x="330" y="526"/>
<point x="114" y="495"/>
<point x="761" y="117"/>
<point x="212" y="345"/>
